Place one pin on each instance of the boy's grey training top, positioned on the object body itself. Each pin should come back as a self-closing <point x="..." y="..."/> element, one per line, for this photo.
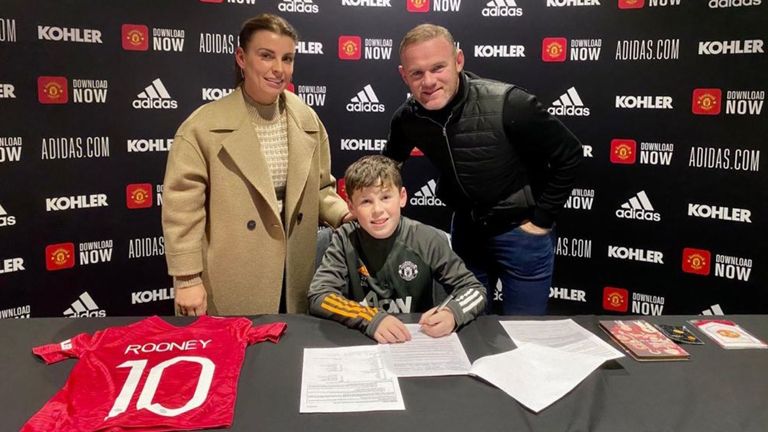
<point x="347" y="289"/>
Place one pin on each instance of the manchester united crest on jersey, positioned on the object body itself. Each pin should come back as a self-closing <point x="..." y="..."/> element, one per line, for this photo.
<point x="408" y="271"/>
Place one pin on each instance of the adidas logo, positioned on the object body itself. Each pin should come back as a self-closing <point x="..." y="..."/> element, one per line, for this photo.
<point x="502" y="8"/>
<point x="638" y="207"/>
<point x="5" y="219"/>
<point x="569" y="104"/>
<point x="426" y="196"/>
<point x="365" y="101"/>
<point x="715" y="309"/>
<point x="155" y="96"/>
<point x="301" y="6"/>
<point x="84" y="306"/>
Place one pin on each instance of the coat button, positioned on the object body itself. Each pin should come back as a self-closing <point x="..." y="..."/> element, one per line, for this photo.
<point x="251" y="225"/>
<point x="299" y="217"/>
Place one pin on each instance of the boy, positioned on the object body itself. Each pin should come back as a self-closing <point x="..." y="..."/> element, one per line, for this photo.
<point x="383" y="264"/>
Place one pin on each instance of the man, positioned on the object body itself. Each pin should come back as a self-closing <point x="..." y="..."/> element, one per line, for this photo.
<point x="507" y="166"/>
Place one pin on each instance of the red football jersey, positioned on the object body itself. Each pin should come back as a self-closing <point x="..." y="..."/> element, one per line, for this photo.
<point x="151" y="376"/>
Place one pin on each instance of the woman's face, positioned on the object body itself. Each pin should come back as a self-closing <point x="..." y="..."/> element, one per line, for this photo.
<point x="267" y="65"/>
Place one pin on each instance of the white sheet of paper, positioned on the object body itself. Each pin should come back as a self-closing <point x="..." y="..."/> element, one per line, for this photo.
<point x="563" y="334"/>
<point x="424" y="355"/>
<point x="349" y="379"/>
<point x="534" y="375"/>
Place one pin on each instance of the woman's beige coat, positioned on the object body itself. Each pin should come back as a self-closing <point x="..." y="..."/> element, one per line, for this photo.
<point x="220" y="213"/>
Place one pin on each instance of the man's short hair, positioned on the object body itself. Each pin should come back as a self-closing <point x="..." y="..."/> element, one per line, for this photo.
<point x="425" y="32"/>
<point x="369" y="171"/>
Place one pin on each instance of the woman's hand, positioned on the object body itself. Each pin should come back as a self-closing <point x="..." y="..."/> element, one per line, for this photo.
<point x="191" y="300"/>
<point x="347" y="217"/>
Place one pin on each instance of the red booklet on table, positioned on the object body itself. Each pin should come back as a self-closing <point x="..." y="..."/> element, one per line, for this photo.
<point x="643" y="341"/>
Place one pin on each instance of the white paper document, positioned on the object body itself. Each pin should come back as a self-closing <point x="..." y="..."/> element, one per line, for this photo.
<point x="349" y="379"/>
<point x="551" y="359"/>
<point x="424" y="355"/>
<point x="534" y="375"/>
<point x="564" y="335"/>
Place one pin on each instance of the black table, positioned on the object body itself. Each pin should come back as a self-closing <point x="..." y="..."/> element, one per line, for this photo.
<point x="717" y="390"/>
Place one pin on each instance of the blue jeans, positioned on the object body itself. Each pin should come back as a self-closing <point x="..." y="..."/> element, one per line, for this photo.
<point x="523" y="262"/>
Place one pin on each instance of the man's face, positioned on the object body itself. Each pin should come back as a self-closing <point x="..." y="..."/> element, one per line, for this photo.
<point x="377" y="209"/>
<point x="430" y="69"/>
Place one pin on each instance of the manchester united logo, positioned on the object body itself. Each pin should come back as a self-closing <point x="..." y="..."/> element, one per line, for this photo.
<point x="60" y="256"/>
<point x="623" y="151"/>
<point x="697" y="261"/>
<point x="408" y="271"/>
<point x="349" y="48"/>
<point x="707" y="101"/>
<point x="728" y="333"/>
<point x="554" y="49"/>
<point x="139" y="196"/>
<point x="135" y="37"/>
<point x="54" y="90"/>
<point x="615" y="299"/>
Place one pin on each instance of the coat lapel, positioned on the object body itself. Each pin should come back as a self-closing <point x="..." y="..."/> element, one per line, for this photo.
<point x="244" y="148"/>
<point x="303" y="136"/>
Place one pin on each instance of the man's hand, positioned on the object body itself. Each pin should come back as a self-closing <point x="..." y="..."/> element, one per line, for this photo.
<point x="530" y="228"/>
<point x="191" y="300"/>
<point x="391" y="330"/>
<point x="437" y="324"/>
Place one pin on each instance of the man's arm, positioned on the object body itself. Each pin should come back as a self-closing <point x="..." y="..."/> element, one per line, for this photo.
<point x="541" y="137"/>
<point x="398" y="145"/>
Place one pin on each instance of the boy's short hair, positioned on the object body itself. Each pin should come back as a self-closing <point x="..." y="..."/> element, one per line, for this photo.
<point x="372" y="170"/>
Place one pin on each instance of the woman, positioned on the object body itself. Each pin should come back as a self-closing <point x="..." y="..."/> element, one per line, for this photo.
<point x="248" y="178"/>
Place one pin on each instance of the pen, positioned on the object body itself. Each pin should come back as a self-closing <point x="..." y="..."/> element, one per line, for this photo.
<point x="443" y="303"/>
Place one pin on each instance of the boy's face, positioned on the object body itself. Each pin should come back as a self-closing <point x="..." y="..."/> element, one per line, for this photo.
<point x="377" y="208"/>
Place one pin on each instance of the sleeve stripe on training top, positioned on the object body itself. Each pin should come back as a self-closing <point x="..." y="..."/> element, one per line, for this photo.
<point x="468" y="302"/>
<point x="472" y="305"/>
<point x="341" y="306"/>
<point x="346" y="303"/>
<point x="467" y="297"/>
<point x="333" y="310"/>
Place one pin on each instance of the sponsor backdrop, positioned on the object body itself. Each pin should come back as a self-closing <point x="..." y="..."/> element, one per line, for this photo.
<point x="667" y="97"/>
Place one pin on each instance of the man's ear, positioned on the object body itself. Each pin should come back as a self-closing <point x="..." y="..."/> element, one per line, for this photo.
<point x="402" y="74"/>
<point x="403" y="197"/>
<point x="459" y="60"/>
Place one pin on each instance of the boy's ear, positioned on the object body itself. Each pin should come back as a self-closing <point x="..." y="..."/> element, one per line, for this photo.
<point x="403" y="197"/>
<point x="351" y="208"/>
